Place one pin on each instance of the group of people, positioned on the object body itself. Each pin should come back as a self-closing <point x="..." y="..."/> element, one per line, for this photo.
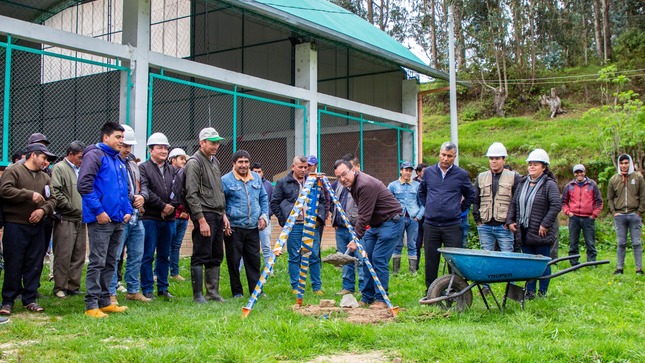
<point x="144" y="208"/>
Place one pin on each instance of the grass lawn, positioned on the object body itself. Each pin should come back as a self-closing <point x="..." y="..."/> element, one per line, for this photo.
<point x="589" y="316"/>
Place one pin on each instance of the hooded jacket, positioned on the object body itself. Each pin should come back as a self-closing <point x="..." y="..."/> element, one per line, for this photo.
<point x="103" y="184"/>
<point x="626" y="193"/>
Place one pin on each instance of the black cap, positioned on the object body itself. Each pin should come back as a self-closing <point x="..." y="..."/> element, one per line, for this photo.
<point x="42" y="148"/>
<point x="38" y="137"/>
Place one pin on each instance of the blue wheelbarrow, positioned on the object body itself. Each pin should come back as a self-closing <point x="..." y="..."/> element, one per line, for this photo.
<point x="453" y="291"/>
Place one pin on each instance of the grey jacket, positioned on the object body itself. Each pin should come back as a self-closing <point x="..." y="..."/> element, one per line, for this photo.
<point x="204" y="192"/>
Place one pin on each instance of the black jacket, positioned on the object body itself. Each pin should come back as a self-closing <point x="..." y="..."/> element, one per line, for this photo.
<point x="284" y="197"/>
<point x="158" y="189"/>
<point x="546" y="206"/>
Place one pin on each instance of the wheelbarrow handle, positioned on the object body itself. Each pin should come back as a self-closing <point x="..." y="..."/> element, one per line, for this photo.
<point x="573" y="268"/>
<point x="570" y="257"/>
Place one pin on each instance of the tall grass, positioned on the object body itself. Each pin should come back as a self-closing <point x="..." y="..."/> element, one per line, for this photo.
<point x="589" y="316"/>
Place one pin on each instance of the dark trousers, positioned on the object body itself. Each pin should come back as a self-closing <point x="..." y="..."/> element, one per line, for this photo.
<point x="243" y="243"/>
<point x="24" y="248"/>
<point x="588" y="227"/>
<point x="208" y="251"/>
<point x="69" y="254"/>
<point x="433" y="238"/>
<point x="104" y="247"/>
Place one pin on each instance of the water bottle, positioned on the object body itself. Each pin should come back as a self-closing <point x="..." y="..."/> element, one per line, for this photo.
<point x="134" y="218"/>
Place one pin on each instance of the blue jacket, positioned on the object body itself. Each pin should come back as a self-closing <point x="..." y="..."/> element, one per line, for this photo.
<point x="445" y="198"/>
<point x="245" y="202"/>
<point x="407" y="195"/>
<point x="103" y="184"/>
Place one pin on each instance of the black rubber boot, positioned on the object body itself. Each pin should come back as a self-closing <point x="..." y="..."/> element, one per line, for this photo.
<point x="212" y="284"/>
<point x="414" y="263"/>
<point x="396" y="265"/>
<point x="197" y="279"/>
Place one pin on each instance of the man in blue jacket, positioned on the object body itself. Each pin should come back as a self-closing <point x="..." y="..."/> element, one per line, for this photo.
<point x="247" y="208"/>
<point x="103" y="185"/>
<point x="446" y="191"/>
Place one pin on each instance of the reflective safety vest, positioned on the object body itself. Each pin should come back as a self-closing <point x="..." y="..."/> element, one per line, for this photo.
<point x="495" y="205"/>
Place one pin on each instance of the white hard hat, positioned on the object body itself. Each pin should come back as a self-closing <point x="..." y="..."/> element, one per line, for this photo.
<point x="176" y="152"/>
<point x="538" y="155"/>
<point x="496" y="149"/>
<point x="158" y="139"/>
<point x="129" y="137"/>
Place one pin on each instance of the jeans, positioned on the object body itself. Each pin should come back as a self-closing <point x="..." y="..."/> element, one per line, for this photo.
<point x="465" y="227"/>
<point x="293" y="247"/>
<point x="379" y="243"/>
<point x="265" y="243"/>
<point x="411" y="229"/>
<point x="132" y="240"/>
<point x="158" y="236"/>
<point x="180" y="230"/>
<point x="489" y="234"/>
<point x="104" y="244"/>
<point x="544" y="250"/>
<point x="343" y="237"/>
<point x="434" y="237"/>
<point x="588" y="227"/>
<point x="633" y="223"/>
<point x="24" y="247"/>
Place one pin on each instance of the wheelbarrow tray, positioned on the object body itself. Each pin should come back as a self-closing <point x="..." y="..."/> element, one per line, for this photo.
<point x="494" y="266"/>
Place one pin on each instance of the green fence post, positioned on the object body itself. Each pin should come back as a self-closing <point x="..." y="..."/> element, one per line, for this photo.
<point x="6" y="101"/>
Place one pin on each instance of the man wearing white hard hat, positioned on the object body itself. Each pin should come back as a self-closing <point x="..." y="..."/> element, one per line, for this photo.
<point x="582" y="203"/>
<point x="133" y="233"/>
<point x="207" y="205"/>
<point x="494" y="190"/>
<point x="177" y="158"/>
<point x="159" y="217"/>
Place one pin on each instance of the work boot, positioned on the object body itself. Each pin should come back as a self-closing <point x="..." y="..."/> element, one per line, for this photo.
<point x="413" y="265"/>
<point x="212" y="284"/>
<point x="396" y="265"/>
<point x="197" y="278"/>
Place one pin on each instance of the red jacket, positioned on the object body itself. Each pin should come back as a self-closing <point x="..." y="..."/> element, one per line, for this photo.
<point x="584" y="201"/>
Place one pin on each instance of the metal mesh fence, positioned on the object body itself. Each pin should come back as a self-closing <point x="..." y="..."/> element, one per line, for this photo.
<point x="379" y="144"/>
<point x="49" y="94"/>
<point x="265" y="127"/>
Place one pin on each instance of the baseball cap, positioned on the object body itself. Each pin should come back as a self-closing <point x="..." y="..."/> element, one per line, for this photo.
<point x="38" y="137"/>
<point x="210" y="134"/>
<point x="578" y="167"/>
<point x="312" y="160"/>
<point x="407" y="165"/>
<point x="40" y="147"/>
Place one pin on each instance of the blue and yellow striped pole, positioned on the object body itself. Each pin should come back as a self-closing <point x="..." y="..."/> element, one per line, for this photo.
<point x="361" y="250"/>
<point x="282" y="240"/>
<point x="308" y="234"/>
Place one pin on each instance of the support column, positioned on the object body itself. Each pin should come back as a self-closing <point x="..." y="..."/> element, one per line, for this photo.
<point x="307" y="78"/>
<point x="410" y="149"/>
<point x="136" y="34"/>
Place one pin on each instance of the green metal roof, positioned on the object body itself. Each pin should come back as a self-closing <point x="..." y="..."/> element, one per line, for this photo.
<point x="328" y="20"/>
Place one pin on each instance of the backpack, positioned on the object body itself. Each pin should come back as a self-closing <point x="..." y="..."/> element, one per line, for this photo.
<point x="179" y="186"/>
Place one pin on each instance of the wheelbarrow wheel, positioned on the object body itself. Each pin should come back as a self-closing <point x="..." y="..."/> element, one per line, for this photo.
<point x="440" y="288"/>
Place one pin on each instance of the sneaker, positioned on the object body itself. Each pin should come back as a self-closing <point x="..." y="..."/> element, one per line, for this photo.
<point x="149" y="295"/>
<point x="113" y="309"/>
<point x="177" y="277"/>
<point x="319" y="292"/>
<point x="60" y="294"/>
<point x="113" y="300"/>
<point x="96" y="313"/>
<point x="639" y="272"/>
<point x="137" y="296"/>
<point x="3" y="320"/>
<point x="378" y="305"/>
<point x="120" y="288"/>
<point x="165" y="294"/>
<point x="619" y="271"/>
<point x="344" y="292"/>
<point x="6" y="309"/>
<point x="530" y="295"/>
